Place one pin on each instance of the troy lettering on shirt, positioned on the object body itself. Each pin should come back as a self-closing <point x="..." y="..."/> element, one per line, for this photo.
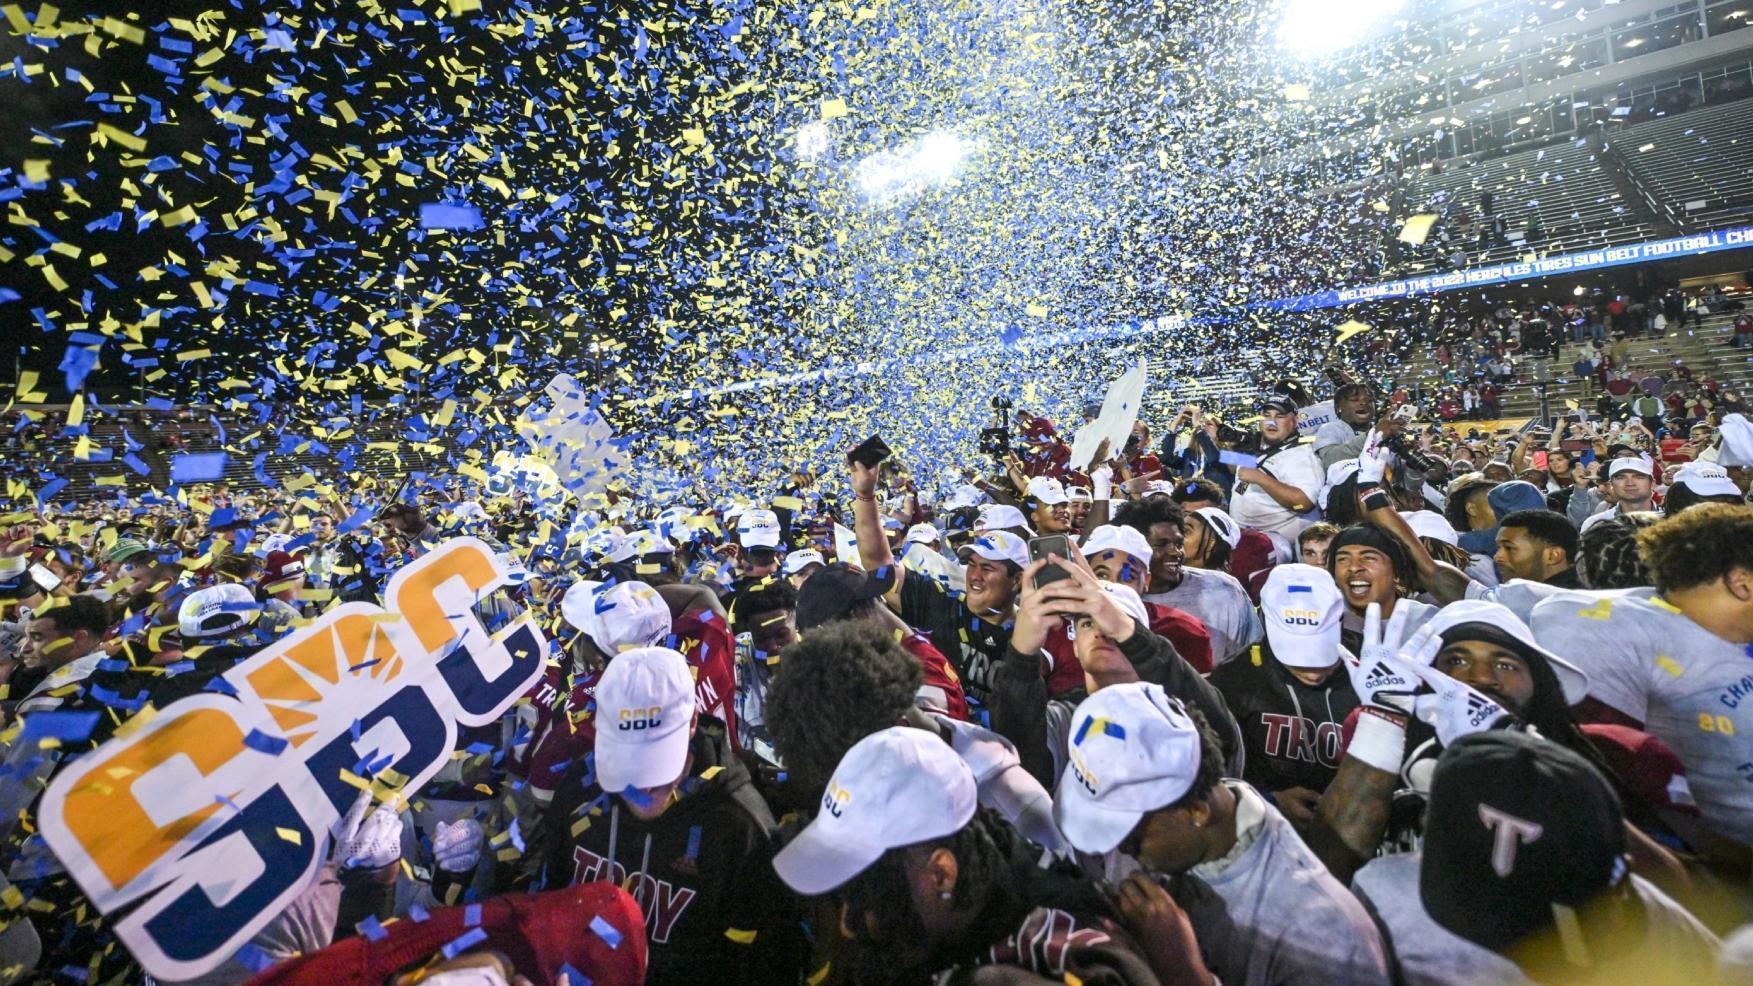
<point x="662" y="901"/>
<point x="1296" y="738"/>
<point x="976" y="670"/>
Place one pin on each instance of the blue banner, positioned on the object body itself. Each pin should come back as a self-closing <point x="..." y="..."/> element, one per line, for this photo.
<point x="1738" y="238"/>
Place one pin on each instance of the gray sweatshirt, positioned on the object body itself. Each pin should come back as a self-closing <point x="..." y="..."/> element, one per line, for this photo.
<point x="1274" y="916"/>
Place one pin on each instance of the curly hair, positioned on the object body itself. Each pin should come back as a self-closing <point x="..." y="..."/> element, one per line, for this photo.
<point x="882" y="895"/>
<point x="1199" y="489"/>
<point x="1141" y="514"/>
<point x="1699" y="546"/>
<point x="770" y="595"/>
<point x="1607" y="553"/>
<point x="1210" y="761"/>
<point x="1461" y="491"/>
<point x="843" y="681"/>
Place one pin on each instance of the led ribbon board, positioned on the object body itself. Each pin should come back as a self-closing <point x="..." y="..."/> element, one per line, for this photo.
<point x="211" y="816"/>
<point x="1738" y="238"/>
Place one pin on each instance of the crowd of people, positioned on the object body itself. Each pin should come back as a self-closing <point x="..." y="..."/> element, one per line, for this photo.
<point x="1355" y="700"/>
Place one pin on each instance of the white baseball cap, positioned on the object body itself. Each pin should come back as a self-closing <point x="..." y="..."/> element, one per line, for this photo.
<point x="898" y="787"/>
<point x="1129" y="601"/>
<point x="217" y="611"/>
<point x="1706" y="479"/>
<point x="998" y="546"/>
<point x="759" y="529"/>
<point x="966" y="495"/>
<point x="617" y="617"/>
<point x="645" y="715"/>
<point x="1572" y="680"/>
<point x="1222" y="524"/>
<point x="999" y="515"/>
<point x="1631" y="463"/>
<point x="1430" y="524"/>
<point x="922" y="534"/>
<point x="1303" y="609"/>
<point x="1162" y="486"/>
<point x="1133" y="750"/>
<point x="1337" y="473"/>
<point x="797" y="561"/>
<point x="1079" y="494"/>
<point x="1125" y="540"/>
<point x="1737" y="442"/>
<point x="1047" y="490"/>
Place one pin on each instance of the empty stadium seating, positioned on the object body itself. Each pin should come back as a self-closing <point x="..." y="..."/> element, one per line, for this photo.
<point x="1697" y="166"/>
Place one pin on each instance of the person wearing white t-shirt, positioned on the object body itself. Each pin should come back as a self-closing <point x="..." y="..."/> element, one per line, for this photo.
<point x="1277" y="494"/>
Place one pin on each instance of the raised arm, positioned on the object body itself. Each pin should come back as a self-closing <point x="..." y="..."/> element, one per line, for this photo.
<point x="867" y="525"/>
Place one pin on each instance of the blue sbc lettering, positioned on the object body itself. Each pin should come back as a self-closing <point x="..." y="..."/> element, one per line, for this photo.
<point x="430" y="736"/>
<point x="479" y="696"/>
<point x="186" y="923"/>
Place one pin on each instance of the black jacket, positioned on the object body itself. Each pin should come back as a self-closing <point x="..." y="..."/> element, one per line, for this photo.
<point x="1290" y="730"/>
<point x="702" y="871"/>
<point x="1021" y="711"/>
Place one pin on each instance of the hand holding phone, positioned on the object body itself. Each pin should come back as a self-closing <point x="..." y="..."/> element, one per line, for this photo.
<point x="869" y="453"/>
<point x="1044" y="546"/>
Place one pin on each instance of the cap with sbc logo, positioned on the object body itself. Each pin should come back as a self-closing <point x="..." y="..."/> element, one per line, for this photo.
<point x="645" y="715"/>
<point x="1303" y="610"/>
<point x="1133" y="750"/>
<point x="894" y="788"/>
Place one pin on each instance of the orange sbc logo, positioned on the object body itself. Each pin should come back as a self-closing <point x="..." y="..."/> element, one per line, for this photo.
<point x="1301" y="618"/>
<point x="633" y="719"/>
<point x="205" y="821"/>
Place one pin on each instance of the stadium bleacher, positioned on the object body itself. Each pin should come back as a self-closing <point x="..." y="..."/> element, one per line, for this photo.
<point x="1697" y="167"/>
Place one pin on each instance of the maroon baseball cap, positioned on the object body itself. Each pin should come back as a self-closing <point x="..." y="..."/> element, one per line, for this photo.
<point x="281" y="567"/>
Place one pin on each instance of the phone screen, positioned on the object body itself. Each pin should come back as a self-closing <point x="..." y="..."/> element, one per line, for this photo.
<point x="1050" y="544"/>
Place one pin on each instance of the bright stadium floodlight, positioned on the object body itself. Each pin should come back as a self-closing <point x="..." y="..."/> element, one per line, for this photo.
<point x="931" y="159"/>
<point x="1317" y="28"/>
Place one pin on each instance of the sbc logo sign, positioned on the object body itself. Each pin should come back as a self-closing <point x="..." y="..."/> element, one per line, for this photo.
<point x="182" y="819"/>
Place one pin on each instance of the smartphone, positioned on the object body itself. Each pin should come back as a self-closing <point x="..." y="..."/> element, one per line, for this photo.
<point x="1050" y="544"/>
<point x="868" y="454"/>
<point x="1229" y="458"/>
<point x="1405" y="412"/>
<point x="45" y="579"/>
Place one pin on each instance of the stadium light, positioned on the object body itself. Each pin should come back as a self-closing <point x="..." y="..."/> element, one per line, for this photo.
<point x="1314" y="29"/>
<point x="931" y="159"/>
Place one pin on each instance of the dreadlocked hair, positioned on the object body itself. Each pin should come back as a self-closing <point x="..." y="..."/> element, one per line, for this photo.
<point x="1442" y="551"/>
<point x="879" y="901"/>
<point x="843" y="681"/>
<point x="1608" y="556"/>
<point x="757" y="599"/>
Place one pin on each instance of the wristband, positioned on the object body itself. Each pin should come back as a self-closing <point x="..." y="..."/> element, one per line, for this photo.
<point x="863" y="498"/>
<point x="1380" y="739"/>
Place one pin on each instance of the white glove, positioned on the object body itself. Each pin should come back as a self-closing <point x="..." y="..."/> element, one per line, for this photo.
<point x="1375" y="677"/>
<point x="1102" y="482"/>
<point x="369" y="839"/>
<point x="1453" y="707"/>
<point x="456" y="846"/>
<point x="1372" y="462"/>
